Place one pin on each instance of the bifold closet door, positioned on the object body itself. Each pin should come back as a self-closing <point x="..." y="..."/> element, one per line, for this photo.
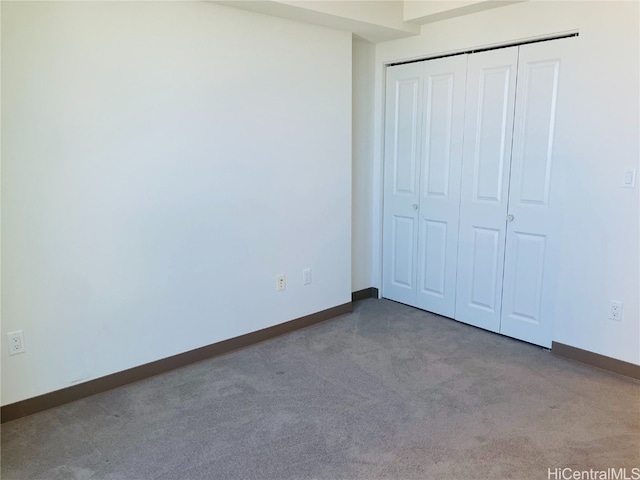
<point x="441" y="163"/>
<point x="491" y="85"/>
<point x="423" y="155"/>
<point x="530" y="267"/>
<point x="401" y="181"/>
<point x="470" y="222"/>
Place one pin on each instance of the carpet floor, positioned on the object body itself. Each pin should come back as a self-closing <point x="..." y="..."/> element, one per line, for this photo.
<point x="387" y="392"/>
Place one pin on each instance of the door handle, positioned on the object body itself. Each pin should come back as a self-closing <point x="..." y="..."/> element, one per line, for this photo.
<point x="510" y="218"/>
<point x="415" y="206"/>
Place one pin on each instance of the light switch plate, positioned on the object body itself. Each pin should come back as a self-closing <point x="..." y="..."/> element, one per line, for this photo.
<point x="629" y="180"/>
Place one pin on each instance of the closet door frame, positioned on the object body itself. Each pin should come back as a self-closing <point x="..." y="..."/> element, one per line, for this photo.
<point x="508" y="314"/>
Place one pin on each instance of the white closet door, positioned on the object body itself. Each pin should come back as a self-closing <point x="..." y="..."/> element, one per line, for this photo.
<point x="491" y="81"/>
<point x="401" y="181"/>
<point x="441" y="162"/>
<point x="530" y="266"/>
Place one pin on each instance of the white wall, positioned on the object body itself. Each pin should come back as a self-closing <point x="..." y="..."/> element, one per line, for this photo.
<point x="362" y="178"/>
<point x="600" y="239"/>
<point x="162" y="162"/>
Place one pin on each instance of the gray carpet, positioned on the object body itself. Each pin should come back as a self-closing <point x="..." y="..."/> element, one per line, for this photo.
<point x="386" y="392"/>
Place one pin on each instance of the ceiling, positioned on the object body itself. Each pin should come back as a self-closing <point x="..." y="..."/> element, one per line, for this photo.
<point x="372" y="20"/>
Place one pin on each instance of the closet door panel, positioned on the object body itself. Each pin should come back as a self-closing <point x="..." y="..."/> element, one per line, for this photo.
<point x="433" y="251"/>
<point x="524" y="276"/>
<point x="485" y="269"/>
<point x="402" y="259"/>
<point x="439" y="115"/>
<point x="401" y="181"/>
<point x="491" y="82"/>
<point x="491" y="131"/>
<point x="441" y="162"/>
<point x="530" y="264"/>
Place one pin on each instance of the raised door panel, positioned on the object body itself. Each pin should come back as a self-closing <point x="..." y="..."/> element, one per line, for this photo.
<point x="531" y="250"/>
<point x="526" y="274"/>
<point x="491" y="132"/>
<point x="491" y="83"/>
<point x="433" y="247"/>
<point x="439" y="115"/>
<point x="405" y="136"/>
<point x="441" y="162"/>
<point x="402" y="261"/>
<point x="484" y="269"/>
<point x="401" y="181"/>
<point x="533" y="150"/>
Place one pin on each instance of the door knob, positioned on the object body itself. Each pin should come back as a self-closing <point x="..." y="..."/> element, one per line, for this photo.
<point x="510" y="218"/>
<point x="415" y="206"/>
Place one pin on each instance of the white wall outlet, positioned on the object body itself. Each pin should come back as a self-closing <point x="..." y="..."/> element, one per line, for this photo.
<point x="281" y="282"/>
<point x="615" y="310"/>
<point x="16" y="342"/>
<point x="306" y="276"/>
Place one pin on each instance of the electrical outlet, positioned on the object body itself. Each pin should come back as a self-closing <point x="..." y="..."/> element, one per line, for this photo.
<point x="16" y="342"/>
<point x="281" y="282"/>
<point x="615" y="310"/>
<point x="306" y="276"/>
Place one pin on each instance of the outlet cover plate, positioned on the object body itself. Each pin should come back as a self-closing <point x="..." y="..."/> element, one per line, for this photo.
<point x="16" y="342"/>
<point x="615" y="311"/>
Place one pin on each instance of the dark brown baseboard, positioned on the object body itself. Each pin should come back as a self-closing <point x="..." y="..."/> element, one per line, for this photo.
<point x="365" y="293"/>
<point x="602" y="362"/>
<point x="99" y="385"/>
